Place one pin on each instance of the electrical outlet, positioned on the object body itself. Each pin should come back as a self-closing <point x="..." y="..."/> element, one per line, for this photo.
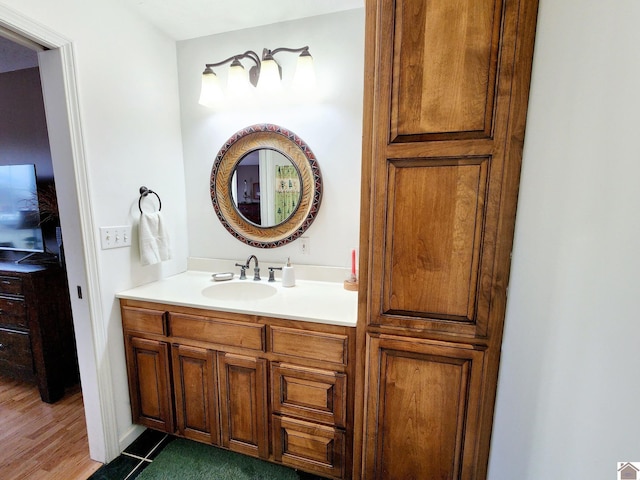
<point x="115" y="237"/>
<point x="305" y="245"/>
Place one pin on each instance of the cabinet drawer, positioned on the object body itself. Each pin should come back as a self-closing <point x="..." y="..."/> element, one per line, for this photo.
<point x="327" y="347"/>
<point x="236" y="334"/>
<point x="309" y="446"/>
<point x="143" y="320"/>
<point x="10" y="285"/>
<point x="317" y="395"/>
<point x="15" y="350"/>
<point x="13" y="312"/>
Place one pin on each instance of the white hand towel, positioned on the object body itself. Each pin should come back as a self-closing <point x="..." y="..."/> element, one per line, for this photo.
<point x="154" y="239"/>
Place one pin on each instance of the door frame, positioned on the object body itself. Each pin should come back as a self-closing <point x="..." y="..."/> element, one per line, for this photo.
<point x="60" y="92"/>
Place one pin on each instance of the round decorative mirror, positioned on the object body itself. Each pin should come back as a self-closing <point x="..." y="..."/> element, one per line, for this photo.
<point x="266" y="186"/>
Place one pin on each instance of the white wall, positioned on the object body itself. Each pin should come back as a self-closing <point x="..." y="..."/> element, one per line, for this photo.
<point x="331" y="125"/>
<point x="569" y="384"/>
<point x="128" y="100"/>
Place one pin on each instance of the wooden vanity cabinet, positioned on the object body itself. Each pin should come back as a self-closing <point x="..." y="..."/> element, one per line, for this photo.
<point x="446" y="92"/>
<point x="273" y="389"/>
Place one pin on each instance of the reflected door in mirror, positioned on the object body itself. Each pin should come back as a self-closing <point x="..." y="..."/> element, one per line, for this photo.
<point x="266" y="187"/>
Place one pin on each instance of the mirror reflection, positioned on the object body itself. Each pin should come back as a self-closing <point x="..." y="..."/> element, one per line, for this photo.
<point x="266" y="187"/>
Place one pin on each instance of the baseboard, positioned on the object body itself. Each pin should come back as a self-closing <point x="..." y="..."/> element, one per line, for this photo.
<point x="129" y="436"/>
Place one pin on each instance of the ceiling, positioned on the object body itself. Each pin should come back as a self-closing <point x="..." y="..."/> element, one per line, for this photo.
<point x="185" y="19"/>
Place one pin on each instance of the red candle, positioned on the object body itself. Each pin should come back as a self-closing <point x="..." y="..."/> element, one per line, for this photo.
<point x="353" y="262"/>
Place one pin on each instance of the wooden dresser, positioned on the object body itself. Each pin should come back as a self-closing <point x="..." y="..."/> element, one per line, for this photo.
<point x="251" y="211"/>
<point x="36" y="329"/>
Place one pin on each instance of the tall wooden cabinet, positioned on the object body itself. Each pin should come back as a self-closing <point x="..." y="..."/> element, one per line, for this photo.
<point x="446" y="92"/>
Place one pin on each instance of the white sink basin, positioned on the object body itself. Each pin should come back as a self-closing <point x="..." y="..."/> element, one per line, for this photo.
<point x="246" y="290"/>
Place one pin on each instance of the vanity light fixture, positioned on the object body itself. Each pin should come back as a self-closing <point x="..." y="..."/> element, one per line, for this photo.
<point x="265" y="74"/>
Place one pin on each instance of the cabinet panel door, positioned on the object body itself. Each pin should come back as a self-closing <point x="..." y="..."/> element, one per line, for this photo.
<point x="310" y="446"/>
<point x="444" y="67"/>
<point x="423" y="408"/>
<point x="440" y="204"/>
<point x="150" y="383"/>
<point x="243" y="404"/>
<point x="194" y="374"/>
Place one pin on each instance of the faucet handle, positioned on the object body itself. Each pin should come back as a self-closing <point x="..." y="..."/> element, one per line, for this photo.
<point x="243" y="268"/>
<point x="272" y="277"/>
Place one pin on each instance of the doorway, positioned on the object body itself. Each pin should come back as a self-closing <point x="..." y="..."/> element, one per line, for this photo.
<point x="28" y="182"/>
<point x="60" y="95"/>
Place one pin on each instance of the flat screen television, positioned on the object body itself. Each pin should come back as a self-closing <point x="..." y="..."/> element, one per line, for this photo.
<point x="19" y="212"/>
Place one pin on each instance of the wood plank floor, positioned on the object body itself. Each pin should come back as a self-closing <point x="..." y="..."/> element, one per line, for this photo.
<point x="39" y="440"/>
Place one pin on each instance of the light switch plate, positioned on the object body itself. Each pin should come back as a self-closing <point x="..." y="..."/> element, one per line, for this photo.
<point x="115" y="237"/>
<point x="305" y="246"/>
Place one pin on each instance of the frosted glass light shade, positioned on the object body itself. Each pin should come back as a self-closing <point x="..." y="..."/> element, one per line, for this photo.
<point x="304" y="79"/>
<point x="269" y="80"/>
<point x="238" y="81"/>
<point x="210" y="91"/>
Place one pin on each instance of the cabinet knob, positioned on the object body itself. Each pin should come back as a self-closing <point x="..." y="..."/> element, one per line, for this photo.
<point x="2" y="346"/>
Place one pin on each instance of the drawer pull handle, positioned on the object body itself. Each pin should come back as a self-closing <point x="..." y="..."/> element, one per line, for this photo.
<point x="3" y="346"/>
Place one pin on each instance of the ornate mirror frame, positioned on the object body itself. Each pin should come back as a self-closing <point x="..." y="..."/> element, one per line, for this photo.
<point x="286" y="142"/>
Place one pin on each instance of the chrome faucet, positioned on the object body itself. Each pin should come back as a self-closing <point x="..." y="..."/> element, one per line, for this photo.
<point x="256" y="270"/>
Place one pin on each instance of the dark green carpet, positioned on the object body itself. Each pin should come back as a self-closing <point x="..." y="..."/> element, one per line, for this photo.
<point x="186" y="460"/>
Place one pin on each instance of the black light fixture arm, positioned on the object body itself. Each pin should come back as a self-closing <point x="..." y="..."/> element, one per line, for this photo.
<point x="285" y="49"/>
<point x="255" y="58"/>
<point x="248" y="54"/>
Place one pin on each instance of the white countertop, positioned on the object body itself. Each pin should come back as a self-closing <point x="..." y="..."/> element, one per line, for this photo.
<point x="308" y="300"/>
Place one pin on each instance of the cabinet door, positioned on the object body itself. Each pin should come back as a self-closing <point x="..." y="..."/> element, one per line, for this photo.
<point x="150" y="383"/>
<point x="309" y="446"/>
<point x="194" y="377"/>
<point x="243" y="404"/>
<point x="423" y="409"/>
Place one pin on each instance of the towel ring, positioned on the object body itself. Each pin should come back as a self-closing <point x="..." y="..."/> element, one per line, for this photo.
<point x="144" y="191"/>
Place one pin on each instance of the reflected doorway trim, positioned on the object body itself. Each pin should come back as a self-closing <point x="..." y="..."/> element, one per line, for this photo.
<point x="104" y="444"/>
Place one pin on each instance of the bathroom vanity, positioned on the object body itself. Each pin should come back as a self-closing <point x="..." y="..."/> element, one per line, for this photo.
<point x="253" y="367"/>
